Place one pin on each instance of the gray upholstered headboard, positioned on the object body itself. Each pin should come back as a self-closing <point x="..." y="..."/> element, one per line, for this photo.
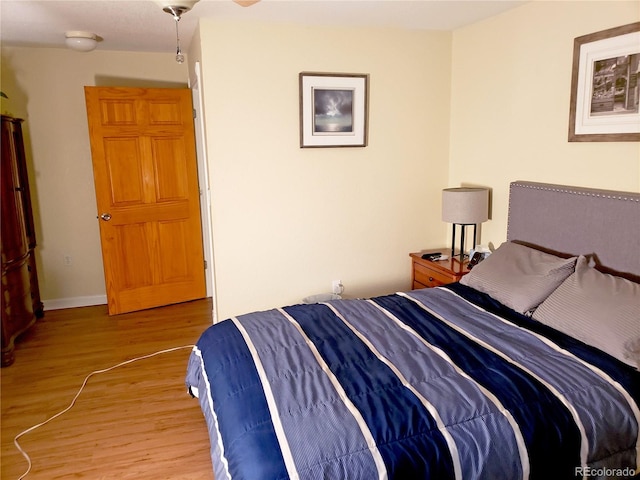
<point x="572" y="221"/>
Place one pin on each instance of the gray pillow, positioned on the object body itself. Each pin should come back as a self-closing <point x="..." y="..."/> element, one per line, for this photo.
<point x="519" y="277"/>
<point x="599" y="309"/>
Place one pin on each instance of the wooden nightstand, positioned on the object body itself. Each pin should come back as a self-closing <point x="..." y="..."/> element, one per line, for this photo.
<point x="426" y="273"/>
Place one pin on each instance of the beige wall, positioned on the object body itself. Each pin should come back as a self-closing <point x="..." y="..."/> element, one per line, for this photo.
<point x="46" y="88"/>
<point x="287" y="221"/>
<point x="510" y="104"/>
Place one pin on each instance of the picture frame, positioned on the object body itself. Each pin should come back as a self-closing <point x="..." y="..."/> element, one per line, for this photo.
<point x="604" y="86"/>
<point x="334" y="109"/>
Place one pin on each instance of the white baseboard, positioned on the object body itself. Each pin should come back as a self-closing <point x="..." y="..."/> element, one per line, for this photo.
<point x="74" y="302"/>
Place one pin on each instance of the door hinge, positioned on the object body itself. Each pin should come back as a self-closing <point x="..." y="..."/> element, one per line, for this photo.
<point x="194" y="113"/>
<point x="205" y="264"/>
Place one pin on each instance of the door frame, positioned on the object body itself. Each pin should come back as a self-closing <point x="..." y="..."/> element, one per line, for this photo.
<point x="195" y="84"/>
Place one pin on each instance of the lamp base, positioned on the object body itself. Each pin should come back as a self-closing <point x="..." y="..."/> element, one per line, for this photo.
<point x="461" y="255"/>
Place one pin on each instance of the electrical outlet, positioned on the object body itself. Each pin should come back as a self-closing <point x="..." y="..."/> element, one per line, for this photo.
<point x="337" y="287"/>
<point x="67" y="260"/>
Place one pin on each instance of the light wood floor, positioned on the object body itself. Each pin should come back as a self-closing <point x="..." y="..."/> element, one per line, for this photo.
<point x="136" y="421"/>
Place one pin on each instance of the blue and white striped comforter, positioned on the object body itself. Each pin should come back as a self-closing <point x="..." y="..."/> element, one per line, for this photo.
<point x="436" y="383"/>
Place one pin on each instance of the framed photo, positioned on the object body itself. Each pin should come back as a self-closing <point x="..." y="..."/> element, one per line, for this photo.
<point x="333" y="109"/>
<point x="604" y="86"/>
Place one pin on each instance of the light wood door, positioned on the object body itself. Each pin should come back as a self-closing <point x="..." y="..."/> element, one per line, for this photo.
<point x="145" y="174"/>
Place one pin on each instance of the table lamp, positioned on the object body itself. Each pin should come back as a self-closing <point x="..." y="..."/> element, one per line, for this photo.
<point x="464" y="206"/>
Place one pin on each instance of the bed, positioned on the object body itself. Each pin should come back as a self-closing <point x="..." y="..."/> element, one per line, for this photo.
<point x="526" y="368"/>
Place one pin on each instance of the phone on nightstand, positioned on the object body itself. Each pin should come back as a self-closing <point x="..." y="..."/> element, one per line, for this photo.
<point x="475" y="259"/>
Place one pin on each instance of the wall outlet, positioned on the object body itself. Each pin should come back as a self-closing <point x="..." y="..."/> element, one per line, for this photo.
<point x="337" y="287"/>
<point x="67" y="260"/>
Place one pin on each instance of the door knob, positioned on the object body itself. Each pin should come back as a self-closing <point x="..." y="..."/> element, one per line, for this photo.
<point x="106" y="217"/>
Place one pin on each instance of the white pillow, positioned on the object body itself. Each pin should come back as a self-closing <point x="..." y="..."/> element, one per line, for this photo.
<point x="599" y="309"/>
<point x="519" y="277"/>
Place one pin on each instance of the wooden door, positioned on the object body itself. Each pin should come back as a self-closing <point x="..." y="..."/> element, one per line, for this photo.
<point x="145" y="174"/>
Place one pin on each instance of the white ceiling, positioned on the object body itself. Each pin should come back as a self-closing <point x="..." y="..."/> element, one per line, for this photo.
<point x="141" y="25"/>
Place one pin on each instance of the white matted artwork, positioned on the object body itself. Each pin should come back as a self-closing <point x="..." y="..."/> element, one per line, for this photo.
<point x="333" y="109"/>
<point x="604" y="86"/>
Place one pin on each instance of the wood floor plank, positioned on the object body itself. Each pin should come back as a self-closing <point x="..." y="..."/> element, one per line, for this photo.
<point x="136" y="421"/>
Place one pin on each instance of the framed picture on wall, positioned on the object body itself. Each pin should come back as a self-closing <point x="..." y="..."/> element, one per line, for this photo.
<point x="604" y="86"/>
<point x="333" y="109"/>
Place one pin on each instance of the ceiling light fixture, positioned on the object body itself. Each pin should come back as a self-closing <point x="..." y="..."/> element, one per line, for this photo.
<point x="81" y="41"/>
<point x="176" y="8"/>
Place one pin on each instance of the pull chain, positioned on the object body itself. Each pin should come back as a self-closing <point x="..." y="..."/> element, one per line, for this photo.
<point x="176" y="12"/>
<point x="179" y="55"/>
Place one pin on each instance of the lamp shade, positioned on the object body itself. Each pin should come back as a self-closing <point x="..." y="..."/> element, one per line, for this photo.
<point x="465" y="205"/>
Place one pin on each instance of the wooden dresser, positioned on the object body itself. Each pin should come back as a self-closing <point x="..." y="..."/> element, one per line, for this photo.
<point x="21" y="304"/>
<point x="427" y="273"/>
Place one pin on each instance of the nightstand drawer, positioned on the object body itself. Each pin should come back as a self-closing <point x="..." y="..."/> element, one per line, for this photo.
<point x="430" y="278"/>
<point x="426" y="273"/>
